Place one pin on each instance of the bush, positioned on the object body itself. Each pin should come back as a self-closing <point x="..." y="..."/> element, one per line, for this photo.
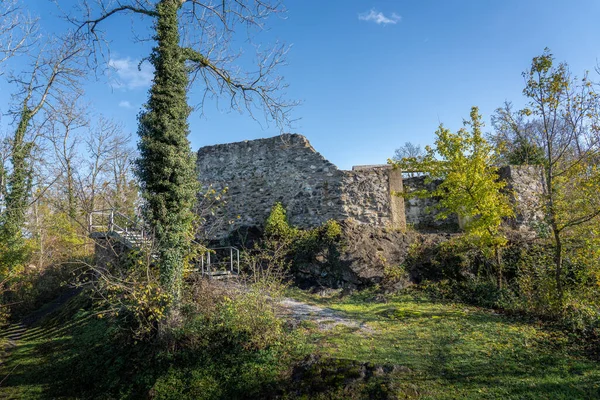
<point x="276" y="225"/>
<point x="283" y="247"/>
<point x="131" y="296"/>
<point x="244" y="317"/>
<point x="31" y="287"/>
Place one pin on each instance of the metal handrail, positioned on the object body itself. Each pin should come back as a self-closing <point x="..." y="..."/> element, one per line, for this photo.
<point x="206" y="264"/>
<point x="112" y="226"/>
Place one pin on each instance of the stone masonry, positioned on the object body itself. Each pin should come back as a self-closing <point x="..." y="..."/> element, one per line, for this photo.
<point x="287" y="169"/>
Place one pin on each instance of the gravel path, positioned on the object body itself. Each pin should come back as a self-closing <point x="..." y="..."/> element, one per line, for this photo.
<point x="325" y="318"/>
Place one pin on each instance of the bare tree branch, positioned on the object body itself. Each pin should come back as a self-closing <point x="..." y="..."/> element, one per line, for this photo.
<point x="17" y="30"/>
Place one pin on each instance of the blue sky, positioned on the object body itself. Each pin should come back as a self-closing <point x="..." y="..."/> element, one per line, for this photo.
<point x="372" y="75"/>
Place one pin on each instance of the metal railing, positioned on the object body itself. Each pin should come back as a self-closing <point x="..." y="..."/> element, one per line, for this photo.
<point x="110" y="220"/>
<point x="220" y="261"/>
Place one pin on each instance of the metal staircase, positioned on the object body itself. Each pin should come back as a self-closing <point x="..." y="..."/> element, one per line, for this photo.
<point x="213" y="263"/>
<point x="119" y="226"/>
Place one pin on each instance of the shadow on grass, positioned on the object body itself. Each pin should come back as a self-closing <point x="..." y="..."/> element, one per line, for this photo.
<point x="84" y="360"/>
<point x="461" y="352"/>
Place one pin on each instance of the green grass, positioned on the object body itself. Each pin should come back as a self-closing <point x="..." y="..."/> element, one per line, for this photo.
<point x="37" y="366"/>
<point x="447" y="351"/>
<point x="456" y="351"/>
<point x="76" y="355"/>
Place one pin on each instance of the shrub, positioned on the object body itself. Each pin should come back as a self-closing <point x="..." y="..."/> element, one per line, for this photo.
<point x="277" y="225"/>
<point x="131" y="295"/>
<point x="283" y="247"/>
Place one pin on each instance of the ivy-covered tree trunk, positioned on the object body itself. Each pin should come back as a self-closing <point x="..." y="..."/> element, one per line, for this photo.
<point x="166" y="166"/>
<point x="17" y="196"/>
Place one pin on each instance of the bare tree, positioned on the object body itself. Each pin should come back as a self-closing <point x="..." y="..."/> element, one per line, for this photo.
<point x="66" y="121"/>
<point x="53" y="74"/>
<point x="516" y="137"/>
<point x="99" y="145"/>
<point x="406" y="151"/>
<point x="207" y="29"/>
<point x="17" y="30"/>
<point x="122" y="188"/>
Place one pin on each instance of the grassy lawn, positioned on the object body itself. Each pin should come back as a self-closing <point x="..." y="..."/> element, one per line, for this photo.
<point x="446" y="351"/>
<point x="453" y="351"/>
<point x="47" y="358"/>
<point x="23" y="370"/>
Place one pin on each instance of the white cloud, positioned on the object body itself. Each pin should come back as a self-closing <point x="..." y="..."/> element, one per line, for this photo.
<point x="128" y="76"/>
<point x="379" y="18"/>
<point x="124" y="104"/>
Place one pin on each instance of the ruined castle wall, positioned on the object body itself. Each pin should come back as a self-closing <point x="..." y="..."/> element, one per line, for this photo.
<point x="525" y="187"/>
<point x="259" y="173"/>
<point x="286" y="169"/>
<point x="366" y="197"/>
<point x="421" y="213"/>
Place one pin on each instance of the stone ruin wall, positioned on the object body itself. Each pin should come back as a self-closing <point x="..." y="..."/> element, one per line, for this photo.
<point x="287" y="169"/>
<point x="525" y="184"/>
<point x="421" y="213"/>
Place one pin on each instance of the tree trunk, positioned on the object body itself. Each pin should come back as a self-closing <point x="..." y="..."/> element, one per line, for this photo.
<point x="166" y="166"/>
<point x="499" y="276"/>
<point x="558" y="264"/>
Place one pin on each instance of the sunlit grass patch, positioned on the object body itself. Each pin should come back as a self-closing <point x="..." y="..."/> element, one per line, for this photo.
<point x="458" y="351"/>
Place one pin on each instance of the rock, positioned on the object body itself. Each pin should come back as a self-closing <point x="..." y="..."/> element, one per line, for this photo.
<point x="333" y="377"/>
<point x="363" y="257"/>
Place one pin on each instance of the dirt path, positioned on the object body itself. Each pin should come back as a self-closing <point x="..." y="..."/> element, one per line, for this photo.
<point x="325" y="318"/>
<point x="297" y="311"/>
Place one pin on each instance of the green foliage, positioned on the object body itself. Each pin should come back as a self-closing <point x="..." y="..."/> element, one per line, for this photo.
<point x="524" y="152"/>
<point x="130" y="295"/>
<point x="49" y="260"/>
<point x="277" y="224"/>
<point x="166" y="166"/>
<point x="449" y="350"/>
<point x="456" y="271"/>
<point x="331" y="232"/>
<point x="565" y="110"/>
<point x="470" y="187"/>
<point x="14" y="252"/>
<point x="229" y="344"/>
<point x="224" y="316"/>
<point x="298" y="246"/>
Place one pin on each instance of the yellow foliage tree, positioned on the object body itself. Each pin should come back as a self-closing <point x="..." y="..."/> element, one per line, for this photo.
<point x="470" y="187"/>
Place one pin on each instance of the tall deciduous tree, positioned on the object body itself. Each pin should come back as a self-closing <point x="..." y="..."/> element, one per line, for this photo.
<point x="166" y="165"/>
<point x="470" y="186"/>
<point x="565" y="113"/>
<point x="52" y="74"/>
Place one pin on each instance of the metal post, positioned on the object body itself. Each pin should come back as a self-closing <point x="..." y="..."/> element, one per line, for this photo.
<point x="111" y="220"/>
<point x="231" y="259"/>
<point x="237" y="252"/>
<point x="208" y="265"/>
